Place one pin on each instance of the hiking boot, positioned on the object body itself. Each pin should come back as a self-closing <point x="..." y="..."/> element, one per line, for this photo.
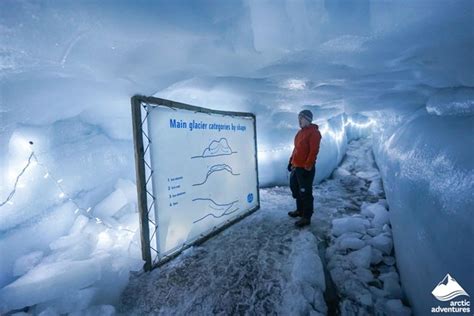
<point x="303" y="222"/>
<point x="295" y="213"/>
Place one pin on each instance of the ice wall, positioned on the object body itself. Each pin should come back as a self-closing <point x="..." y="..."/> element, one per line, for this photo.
<point x="428" y="175"/>
<point x="69" y="230"/>
<point x="336" y="133"/>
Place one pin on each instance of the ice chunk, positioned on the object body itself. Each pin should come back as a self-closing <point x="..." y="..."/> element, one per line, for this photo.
<point x="34" y="237"/>
<point x="364" y="210"/>
<point x="382" y="242"/>
<point x="374" y="231"/>
<point x="126" y="213"/>
<point x="363" y="274"/>
<point x="101" y="310"/>
<point x="348" y="235"/>
<point x="377" y="256"/>
<point x="129" y="221"/>
<point x="128" y="188"/>
<point x="349" y="224"/>
<point x="306" y="283"/>
<point x="79" y="224"/>
<point x="389" y="260"/>
<point x="105" y="240"/>
<point x="362" y="257"/>
<point x="376" y="187"/>
<point x="351" y="243"/>
<point x="114" y="278"/>
<point x="76" y="251"/>
<point x="389" y="275"/>
<point x="341" y="172"/>
<point x="65" y="242"/>
<point x="381" y="215"/>
<point x="365" y="298"/>
<point x="49" y="281"/>
<point x="392" y="288"/>
<point x="307" y="266"/>
<point x="26" y="262"/>
<point x="111" y="204"/>
<point x="337" y="274"/>
<point x="348" y="308"/>
<point x="70" y="301"/>
<point x="396" y="308"/>
<point x="391" y="284"/>
<point x="386" y="228"/>
<point x="377" y="291"/>
<point x="368" y="175"/>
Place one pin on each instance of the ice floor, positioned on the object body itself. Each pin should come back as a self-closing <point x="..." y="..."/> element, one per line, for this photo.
<point x="264" y="265"/>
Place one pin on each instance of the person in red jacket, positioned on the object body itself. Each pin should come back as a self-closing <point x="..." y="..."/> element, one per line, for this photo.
<point x="302" y="167"/>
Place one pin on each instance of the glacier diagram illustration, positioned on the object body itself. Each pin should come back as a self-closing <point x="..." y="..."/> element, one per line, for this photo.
<point x="217" y="148"/>
<point x="217" y="168"/>
<point x="225" y="209"/>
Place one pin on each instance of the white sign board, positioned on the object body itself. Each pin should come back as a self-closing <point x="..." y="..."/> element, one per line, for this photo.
<point x="204" y="172"/>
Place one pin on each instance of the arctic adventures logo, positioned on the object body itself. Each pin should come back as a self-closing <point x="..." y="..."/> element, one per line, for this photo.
<point x="447" y="290"/>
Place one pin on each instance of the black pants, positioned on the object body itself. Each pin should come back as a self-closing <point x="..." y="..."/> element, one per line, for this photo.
<point x="301" y="185"/>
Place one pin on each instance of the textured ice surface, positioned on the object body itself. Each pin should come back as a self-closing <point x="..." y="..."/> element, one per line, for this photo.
<point x="111" y="204"/>
<point x="361" y="258"/>
<point x="68" y="261"/>
<point x="351" y="243"/>
<point x="349" y="224"/>
<point x="428" y="174"/>
<point x="452" y="101"/>
<point x="380" y="214"/>
<point x="32" y="237"/>
<point x="396" y="308"/>
<point x="27" y="262"/>
<point x="48" y="281"/>
<point x="382" y="242"/>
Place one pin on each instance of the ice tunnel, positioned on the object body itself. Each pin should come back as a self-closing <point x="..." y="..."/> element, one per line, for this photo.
<point x="398" y="72"/>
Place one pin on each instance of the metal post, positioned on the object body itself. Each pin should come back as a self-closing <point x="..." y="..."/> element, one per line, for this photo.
<point x="256" y="157"/>
<point x="141" y="182"/>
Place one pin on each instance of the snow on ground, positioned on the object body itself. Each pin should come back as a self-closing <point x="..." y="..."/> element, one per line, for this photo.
<point x="264" y="264"/>
<point x="360" y="254"/>
<point x="259" y="266"/>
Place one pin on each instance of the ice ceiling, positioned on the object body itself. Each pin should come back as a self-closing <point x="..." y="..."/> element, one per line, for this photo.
<point x="63" y="59"/>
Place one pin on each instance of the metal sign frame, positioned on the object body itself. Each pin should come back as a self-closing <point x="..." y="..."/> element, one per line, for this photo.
<point x="141" y="107"/>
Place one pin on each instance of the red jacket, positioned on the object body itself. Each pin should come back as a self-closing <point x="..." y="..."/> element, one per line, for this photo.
<point x="306" y="149"/>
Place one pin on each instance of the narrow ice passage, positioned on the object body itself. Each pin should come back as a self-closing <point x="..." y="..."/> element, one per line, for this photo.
<point x="264" y="264"/>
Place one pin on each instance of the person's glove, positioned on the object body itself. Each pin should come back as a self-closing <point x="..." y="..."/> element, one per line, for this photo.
<point x="289" y="167"/>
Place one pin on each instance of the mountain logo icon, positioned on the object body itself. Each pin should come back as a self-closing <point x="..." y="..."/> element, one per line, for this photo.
<point x="448" y="289"/>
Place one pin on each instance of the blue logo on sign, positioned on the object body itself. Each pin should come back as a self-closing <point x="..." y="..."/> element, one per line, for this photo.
<point x="250" y="197"/>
